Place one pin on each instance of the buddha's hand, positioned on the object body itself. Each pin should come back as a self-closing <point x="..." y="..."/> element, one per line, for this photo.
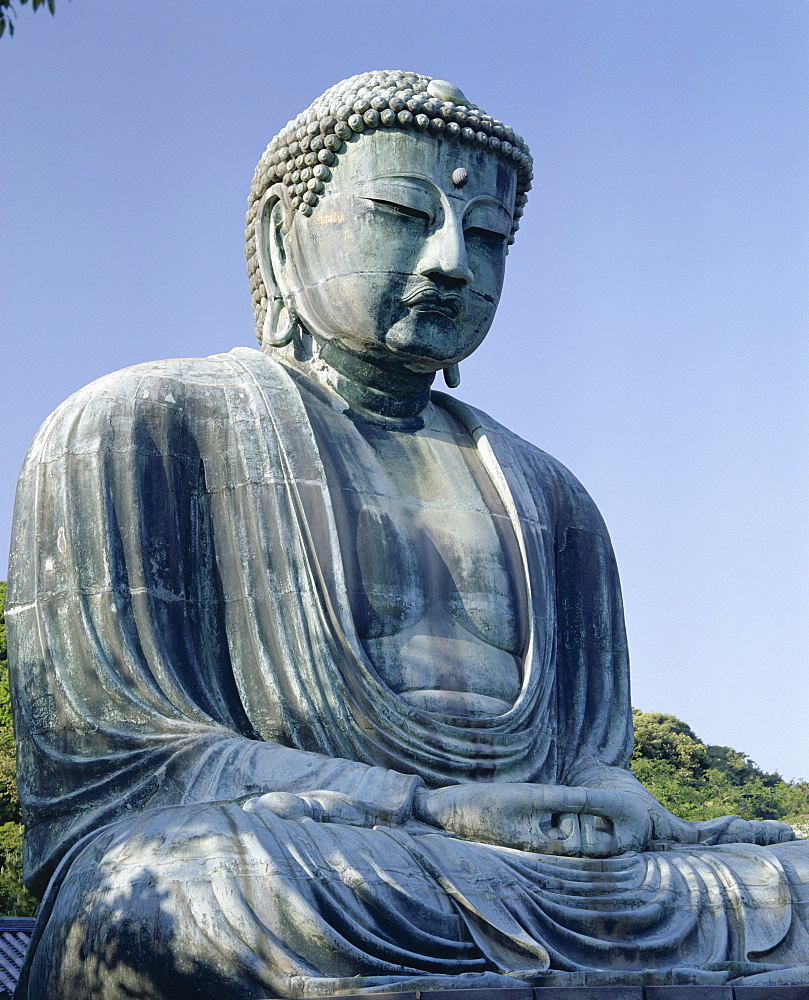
<point x="545" y="819"/>
<point x="734" y="830"/>
<point x="321" y="806"/>
<point x="670" y="830"/>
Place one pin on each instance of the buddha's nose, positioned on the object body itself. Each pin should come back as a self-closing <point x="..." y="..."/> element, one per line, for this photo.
<point x="444" y="256"/>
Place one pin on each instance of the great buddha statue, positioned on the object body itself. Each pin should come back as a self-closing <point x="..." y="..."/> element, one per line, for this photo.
<point x="320" y="677"/>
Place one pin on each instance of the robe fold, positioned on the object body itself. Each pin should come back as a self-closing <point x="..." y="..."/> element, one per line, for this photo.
<point x="181" y="639"/>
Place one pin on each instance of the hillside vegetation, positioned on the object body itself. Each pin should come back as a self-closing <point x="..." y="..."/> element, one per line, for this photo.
<point x="698" y="781"/>
<point x="14" y="899"/>
<point x="691" y="778"/>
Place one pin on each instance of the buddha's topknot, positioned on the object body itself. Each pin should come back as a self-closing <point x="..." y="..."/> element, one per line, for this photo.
<point x="304" y="153"/>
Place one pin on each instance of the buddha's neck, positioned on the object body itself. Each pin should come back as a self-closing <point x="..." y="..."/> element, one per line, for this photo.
<point x="369" y="391"/>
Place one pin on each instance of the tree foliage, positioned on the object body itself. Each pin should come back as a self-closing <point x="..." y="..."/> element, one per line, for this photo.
<point x="14" y="899"/>
<point x="697" y="781"/>
<point x="8" y="12"/>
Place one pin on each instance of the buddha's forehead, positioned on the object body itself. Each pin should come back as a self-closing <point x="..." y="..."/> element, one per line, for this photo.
<point x="426" y="160"/>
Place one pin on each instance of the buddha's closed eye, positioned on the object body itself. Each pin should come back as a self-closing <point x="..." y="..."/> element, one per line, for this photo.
<point x="395" y="208"/>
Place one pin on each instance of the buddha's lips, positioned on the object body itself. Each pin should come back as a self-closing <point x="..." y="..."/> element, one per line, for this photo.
<point x="447" y="302"/>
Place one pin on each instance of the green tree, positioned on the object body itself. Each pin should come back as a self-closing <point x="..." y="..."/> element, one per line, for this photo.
<point x="8" y="13"/>
<point x="698" y="781"/>
<point x="14" y="898"/>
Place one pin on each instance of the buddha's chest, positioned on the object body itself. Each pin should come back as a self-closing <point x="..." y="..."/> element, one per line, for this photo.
<point x="431" y="561"/>
<point x="445" y="566"/>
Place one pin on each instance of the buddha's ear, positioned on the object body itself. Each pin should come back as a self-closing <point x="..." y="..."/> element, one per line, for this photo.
<point x="273" y="219"/>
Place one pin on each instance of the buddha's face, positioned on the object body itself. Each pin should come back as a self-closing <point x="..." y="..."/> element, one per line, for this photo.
<point x="399" y="263"/>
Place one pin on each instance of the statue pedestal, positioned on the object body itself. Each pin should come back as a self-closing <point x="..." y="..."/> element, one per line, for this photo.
<point x="648" y="991"/>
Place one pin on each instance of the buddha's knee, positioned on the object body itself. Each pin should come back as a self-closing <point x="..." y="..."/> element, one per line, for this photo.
<point x="100" y="949"/>
<point x="120" y="927"/>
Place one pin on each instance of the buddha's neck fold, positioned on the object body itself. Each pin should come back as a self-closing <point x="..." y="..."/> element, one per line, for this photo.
<point x="371" y="393"/>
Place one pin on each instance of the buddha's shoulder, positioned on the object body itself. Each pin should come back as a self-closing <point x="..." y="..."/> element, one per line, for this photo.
<point x="186" y="377"/>
<point x="535" y="463"/>
<point x="176" y="383"/>
<point x="168" y="391"/>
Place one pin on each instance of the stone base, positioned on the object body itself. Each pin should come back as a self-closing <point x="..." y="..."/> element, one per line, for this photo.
<point x="670" y="991"/>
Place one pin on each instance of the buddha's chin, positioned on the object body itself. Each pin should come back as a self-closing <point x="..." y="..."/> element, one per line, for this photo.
<point x="431" y="340"/>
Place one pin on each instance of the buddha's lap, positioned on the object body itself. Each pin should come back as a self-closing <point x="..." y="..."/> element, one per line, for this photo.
<point x="347" y="901"/>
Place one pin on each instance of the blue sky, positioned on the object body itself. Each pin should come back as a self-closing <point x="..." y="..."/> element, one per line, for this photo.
<point x="653" y="328"/>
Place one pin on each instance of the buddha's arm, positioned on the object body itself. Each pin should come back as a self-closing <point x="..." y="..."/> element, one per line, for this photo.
<point x="129" y="688"/>
<point x="610" y="815"/>
<point x="546" y="819"/>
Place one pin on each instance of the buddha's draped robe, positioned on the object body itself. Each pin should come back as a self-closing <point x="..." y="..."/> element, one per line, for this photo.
<point x="181" y="639"/>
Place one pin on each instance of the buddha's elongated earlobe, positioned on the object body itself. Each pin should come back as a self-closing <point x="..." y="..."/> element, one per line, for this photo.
<point x="452" y="376"/>
<point x="280" y="321"/>
<point x="278" y="330"/>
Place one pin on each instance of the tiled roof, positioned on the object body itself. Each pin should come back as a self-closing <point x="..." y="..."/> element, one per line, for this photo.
<point x="15" y="934"/>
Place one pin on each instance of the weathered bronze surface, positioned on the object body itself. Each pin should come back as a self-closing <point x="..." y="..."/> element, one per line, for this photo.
<point x="320" y="677"/>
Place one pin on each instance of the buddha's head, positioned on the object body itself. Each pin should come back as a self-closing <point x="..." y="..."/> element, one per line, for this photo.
<point x="379" y="220"/>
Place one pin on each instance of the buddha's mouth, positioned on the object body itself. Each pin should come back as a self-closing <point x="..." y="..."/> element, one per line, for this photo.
<point x="431" y="299"/>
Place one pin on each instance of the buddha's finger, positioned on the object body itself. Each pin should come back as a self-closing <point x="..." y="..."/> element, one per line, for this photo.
<point x="564" y="837"/>
<point x="336" y="807"/>
<point x="625" y="813"/>
<point x="737" y="831"/>
<point x="598" y="839"/>
<point x="285" y="805"/>
<point x="772" y="831"/>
